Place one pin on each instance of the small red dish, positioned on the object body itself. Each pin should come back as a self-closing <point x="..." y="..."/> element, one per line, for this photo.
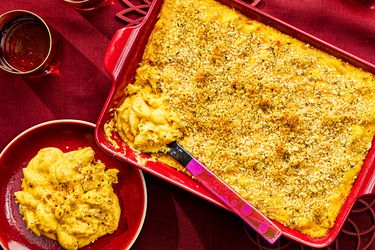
<point x="66" y="135"/>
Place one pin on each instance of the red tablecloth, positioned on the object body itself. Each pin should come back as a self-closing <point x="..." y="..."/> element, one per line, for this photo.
<point x="175" y="219"/>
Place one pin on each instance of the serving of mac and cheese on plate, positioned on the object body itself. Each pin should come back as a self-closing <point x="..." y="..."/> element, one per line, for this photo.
<point x="61" y="191"/>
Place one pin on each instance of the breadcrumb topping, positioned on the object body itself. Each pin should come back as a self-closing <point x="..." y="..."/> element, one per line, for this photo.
<point x="284" y="124"/>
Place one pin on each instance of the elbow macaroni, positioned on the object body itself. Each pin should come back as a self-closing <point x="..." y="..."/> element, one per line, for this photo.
<point x="145" y="122"/>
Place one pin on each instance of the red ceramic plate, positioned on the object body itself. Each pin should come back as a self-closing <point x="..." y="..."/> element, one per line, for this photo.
<point x="66" y="135"/>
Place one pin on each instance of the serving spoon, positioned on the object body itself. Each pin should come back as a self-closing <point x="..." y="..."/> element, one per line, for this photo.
<point x="260" y="223"/>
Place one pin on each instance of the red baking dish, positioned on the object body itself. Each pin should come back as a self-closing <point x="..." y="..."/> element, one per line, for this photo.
<point x="121" y="61"/>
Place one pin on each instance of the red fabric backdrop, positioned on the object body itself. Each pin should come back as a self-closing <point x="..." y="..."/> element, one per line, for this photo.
<point x="175" y="219"/>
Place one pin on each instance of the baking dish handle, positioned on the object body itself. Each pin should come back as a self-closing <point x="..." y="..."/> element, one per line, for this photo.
<point x="118" y="50"/>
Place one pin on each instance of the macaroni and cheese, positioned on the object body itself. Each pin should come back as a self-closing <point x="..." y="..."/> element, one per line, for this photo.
<point x="284" y="124"/>
<point x="69" y="197"/>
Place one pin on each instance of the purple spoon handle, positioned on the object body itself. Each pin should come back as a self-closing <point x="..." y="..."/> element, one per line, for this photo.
<point x="227" y="195"/>
<point x="234" y="201"/>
